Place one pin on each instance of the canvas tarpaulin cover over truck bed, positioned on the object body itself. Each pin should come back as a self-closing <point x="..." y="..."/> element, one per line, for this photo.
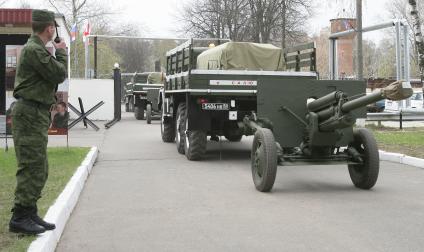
<point x="156" y="78"/>
<point x="242" y="56"/>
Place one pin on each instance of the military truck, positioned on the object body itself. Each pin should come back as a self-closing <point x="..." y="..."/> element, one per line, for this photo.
<point x="136" y="93"/>
<point x="211" y="85"/>
<point x="156" y="82"/>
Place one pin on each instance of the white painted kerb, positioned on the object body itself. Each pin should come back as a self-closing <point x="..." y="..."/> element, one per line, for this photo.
<point x="60" y="211"/>
<point x="401" y="159"/>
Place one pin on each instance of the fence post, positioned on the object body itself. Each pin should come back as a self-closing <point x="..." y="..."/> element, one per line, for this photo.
<point x="400" y="120"/>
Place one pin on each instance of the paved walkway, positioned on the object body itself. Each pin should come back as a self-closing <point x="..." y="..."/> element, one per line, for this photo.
<point x="143" y="196"/>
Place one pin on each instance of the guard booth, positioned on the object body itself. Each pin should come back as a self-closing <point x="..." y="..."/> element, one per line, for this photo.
<point x="15" y="29"/>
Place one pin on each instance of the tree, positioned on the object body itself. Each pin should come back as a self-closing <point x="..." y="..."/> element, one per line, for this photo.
<point x="386" y="55"/>
<point x="419" y="38"/>
<point x="322" y="53"/>
<point x="370" y="59"/>
<point x="136" y="54"/>
<point x="262" y="21"/>
<point x="398" y="9"/>
<point x="79" y="11"/>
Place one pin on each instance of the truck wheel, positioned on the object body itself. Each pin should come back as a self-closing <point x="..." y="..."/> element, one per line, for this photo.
<point x="180" y="127"/>
<point x="167" y="129"/>
<point x="195" y="144"/>
<point x="364" y="176"/>
<point x="149" y="113"/>
<point x="234" y="138"/>
<point x="264" y="160"/>
<point x="139" y="112"/>
<point x="131" y="105"/>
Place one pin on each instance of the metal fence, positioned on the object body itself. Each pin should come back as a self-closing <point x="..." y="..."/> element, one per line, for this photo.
<point x="406" y="115"/>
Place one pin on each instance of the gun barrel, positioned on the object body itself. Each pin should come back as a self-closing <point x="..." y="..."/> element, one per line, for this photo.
<point x="324" y="101"/>
<point x="362" y="101"/>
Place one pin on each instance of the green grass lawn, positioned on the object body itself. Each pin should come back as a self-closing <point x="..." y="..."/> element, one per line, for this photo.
<point x="409" y="141"/>
<point x="62" y="165"/>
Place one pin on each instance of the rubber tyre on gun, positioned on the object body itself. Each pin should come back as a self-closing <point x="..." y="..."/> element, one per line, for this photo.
<point x="149" y="113"/>
<point x="139" y="112"/>
<point x="195" y="143"/>
<point x="167" y="129"/>
<point x="365" y="175"/>
<point x="180" y="124"/>
<point x="264" y="160"/>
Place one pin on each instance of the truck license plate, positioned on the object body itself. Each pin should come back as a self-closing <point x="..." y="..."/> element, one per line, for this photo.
<point x="215" y="106"/>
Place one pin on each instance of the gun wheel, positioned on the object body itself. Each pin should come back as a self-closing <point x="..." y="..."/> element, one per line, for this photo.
<point x="149" y="113"/>
<point x="365" y="175"/>
<point x="264" y="160"/>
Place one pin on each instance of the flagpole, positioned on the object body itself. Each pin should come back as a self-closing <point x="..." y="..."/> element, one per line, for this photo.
<point x="75" y="44"/>
<point x="87" y="57"/>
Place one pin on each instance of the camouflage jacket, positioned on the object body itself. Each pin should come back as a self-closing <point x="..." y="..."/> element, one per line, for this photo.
<point x="38" y="72"/>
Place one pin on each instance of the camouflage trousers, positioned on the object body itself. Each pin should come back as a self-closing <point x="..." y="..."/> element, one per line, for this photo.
<point x="29" y="128"/>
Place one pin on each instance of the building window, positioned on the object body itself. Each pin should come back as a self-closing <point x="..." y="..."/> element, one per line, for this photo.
<point x="11" y="61"/>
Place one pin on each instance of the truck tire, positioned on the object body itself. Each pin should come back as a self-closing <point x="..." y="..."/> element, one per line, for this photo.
<point x="167" y="130"/>
<point x="234" y="138"/>
<point x="195" y="144"/>
<point x="365" y="175"/>
<point x="149" y="113"/>
<point x="264" y="160"/>
<point x="180" y="127"/>
<point x="131" y="104"/>
<point x="139" y="112"/>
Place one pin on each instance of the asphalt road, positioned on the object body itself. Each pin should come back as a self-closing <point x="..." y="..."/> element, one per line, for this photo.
<point x="144" y="196"/>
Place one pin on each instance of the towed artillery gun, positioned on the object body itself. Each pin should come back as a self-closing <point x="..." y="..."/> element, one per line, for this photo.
<point x="142" y="94"/>
<point x="294" y="127"/>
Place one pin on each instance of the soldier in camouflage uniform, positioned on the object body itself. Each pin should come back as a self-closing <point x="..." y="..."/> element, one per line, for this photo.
<point x="38" y="74"/>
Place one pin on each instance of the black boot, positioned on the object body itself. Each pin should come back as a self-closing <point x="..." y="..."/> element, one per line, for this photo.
<point x="21" y="222"/>
<point x="37" y="219"/>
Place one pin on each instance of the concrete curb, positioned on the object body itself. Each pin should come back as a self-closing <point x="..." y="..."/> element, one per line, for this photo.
<point x="61" y="210"/>
<point x="401" y="159"/>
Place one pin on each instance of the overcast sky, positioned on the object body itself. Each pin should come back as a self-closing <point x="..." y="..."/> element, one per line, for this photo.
<point x="159" y="17"/>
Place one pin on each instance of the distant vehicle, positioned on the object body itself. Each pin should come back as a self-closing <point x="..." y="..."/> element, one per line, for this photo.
<point x="417" y="100"/>
<point x="377" y="107"/>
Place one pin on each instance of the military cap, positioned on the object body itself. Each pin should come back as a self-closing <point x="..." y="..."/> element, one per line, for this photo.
<point x="44" y="16"/>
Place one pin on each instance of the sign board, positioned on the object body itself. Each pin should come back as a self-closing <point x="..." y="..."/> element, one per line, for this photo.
<point x="59" y="112"/>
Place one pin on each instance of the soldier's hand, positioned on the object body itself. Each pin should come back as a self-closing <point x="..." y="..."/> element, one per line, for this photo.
<point x="61" y="44"/>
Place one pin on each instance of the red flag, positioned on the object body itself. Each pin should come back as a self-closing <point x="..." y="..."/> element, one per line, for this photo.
<point x="86" y="32"/>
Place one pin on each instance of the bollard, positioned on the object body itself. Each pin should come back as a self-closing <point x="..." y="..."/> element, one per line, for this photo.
<point x="400" y="120"/>
<point x="117" y="96"/>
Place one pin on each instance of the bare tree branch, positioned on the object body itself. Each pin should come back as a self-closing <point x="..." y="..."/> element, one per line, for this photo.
<point x="245" y="20"/>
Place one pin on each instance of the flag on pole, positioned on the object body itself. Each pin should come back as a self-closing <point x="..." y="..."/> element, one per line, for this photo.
<point x="86" y="32"/>
<point x="74" y="30"/>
